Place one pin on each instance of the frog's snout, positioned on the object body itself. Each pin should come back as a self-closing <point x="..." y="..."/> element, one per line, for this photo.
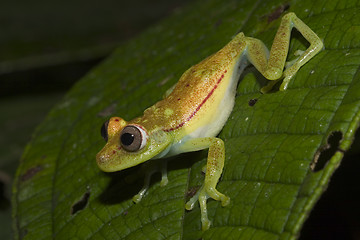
<point x="103" y="160"/>
<point x="100" y="159"/>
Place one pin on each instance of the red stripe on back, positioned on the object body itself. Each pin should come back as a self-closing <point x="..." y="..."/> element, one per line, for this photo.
<point x="198" y="107"/>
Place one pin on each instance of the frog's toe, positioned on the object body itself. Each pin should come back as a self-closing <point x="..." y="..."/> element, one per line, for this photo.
<point x="164" y="182"/>
<point x="137" y="198"/>
<point x="284" y="84"/>
<point x="225" y="201"/>
<point x="205" y="224"/>
<point x="191" y="203"/>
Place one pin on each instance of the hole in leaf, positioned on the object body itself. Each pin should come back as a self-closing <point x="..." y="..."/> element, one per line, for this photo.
<point x="218" y="23"/>
<point x="252" y="102"/>
<point x="323" y="155"/>
<point x="336" y="214"/>
<point x="81" y="204"/>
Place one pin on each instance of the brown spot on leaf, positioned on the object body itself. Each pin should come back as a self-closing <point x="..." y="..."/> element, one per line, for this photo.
<point x="107" y="111"/>
<point x="277" y="12"/>
<point x="30" y="173"/>
<point x="192" y="191"/>
<point x="218" y="23"/>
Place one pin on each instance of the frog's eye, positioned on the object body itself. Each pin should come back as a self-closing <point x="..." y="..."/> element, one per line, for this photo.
<point x="104" y="130"/>
<point x="133" y="138"/>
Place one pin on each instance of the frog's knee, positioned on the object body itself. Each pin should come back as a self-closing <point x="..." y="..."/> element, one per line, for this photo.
<point x="273" y="73"/>
<point x="289" y="15"/>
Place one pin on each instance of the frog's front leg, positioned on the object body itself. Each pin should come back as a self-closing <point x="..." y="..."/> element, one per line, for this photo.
<point x="150" y="168"/>
<point x="272" y="67"/>
<point x="214" y="167"/>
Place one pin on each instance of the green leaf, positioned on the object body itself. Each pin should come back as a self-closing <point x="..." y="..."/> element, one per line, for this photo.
<point x="271" y="171"/>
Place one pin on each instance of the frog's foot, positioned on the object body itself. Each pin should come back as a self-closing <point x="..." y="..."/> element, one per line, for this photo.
<point x="297" y="53"/>
<point x="202" y="195"/>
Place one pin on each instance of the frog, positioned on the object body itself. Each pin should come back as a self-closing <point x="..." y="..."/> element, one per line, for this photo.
<point x="193" y="112"/>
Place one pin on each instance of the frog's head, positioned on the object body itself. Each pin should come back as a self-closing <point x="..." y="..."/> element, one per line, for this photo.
<point x="128" y="145"/>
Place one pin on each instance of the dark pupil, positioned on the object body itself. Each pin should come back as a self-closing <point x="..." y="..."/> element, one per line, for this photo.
<point x="127" y="139"/>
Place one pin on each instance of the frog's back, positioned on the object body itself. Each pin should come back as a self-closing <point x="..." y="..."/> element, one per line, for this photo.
<point x="199" y="93"/>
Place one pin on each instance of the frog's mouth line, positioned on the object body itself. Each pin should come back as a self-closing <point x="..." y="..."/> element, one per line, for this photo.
<point x="198" y="107"/>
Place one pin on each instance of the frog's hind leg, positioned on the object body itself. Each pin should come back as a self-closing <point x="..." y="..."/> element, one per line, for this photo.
<point x="272" y="67"/>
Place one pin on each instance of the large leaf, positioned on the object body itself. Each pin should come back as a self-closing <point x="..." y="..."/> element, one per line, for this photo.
<point x="270" y="173"/>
